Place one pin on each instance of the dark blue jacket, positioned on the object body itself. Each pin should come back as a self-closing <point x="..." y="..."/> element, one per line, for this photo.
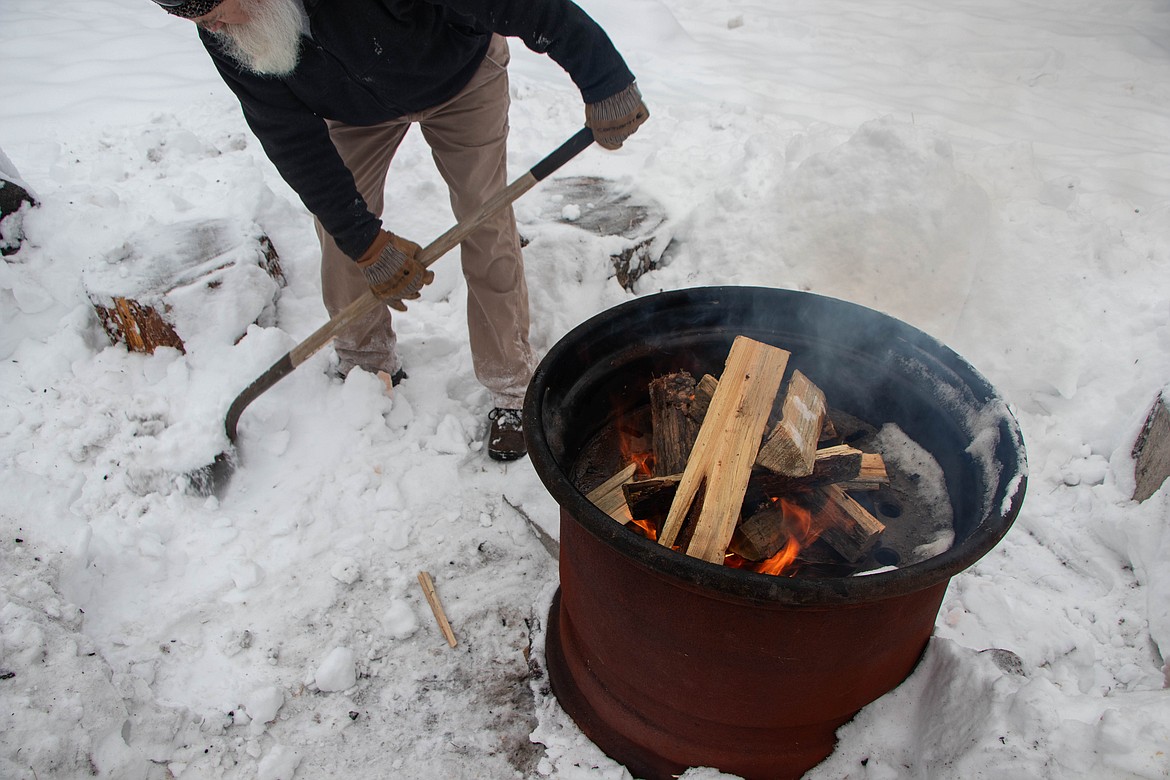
<point x="369" y="61"/>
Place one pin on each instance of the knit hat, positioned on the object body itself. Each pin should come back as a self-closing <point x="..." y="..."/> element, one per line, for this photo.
<point x="188" y="9"/>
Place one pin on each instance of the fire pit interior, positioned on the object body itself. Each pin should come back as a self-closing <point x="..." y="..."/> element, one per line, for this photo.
<point x="667" y="661"/>
<point x="911" y="501"/>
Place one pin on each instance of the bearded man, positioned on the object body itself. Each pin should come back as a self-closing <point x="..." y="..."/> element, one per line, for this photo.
<point x="330" y="87"/>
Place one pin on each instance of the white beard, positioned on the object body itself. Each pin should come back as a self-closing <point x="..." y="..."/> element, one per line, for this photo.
<point x="269" y="43"/>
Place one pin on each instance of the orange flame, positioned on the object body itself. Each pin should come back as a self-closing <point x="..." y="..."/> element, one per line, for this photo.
<point x="647" y="528"/>
<point x="644" y="459"/>
<point x="798" y="522"/>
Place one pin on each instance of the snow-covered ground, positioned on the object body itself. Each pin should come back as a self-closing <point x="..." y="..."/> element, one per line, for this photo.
<point x="993" y="172"/>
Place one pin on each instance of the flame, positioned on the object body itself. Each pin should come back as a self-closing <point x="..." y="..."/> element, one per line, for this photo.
<point x="647" y="528"/>
<point x="628" y="440"/>
<point x="798" y="522"/>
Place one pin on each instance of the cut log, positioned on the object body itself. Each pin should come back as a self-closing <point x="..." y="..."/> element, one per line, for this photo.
<point x="726" y="448"/>
<point x="871" y="476"/>
<point x="831" y="464"/>
<point x="609" y="498"/>
<point x="674" y="430"/>
<point x="791" y="447"/>
<point x="844" y="524"/>
<point x="622" y="221"/>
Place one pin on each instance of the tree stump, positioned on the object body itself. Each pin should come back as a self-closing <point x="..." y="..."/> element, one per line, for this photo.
<point x="14" y="196"/>
<point x="603" y="208"/>
<point x="167" y="286"/>
<point x="1151" y="451"/>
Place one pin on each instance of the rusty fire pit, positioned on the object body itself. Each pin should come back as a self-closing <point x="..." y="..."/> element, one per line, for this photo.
<point x="668" y="662"/>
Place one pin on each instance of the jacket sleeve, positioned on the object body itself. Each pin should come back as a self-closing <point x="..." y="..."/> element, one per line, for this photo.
<point x="563" y="31"/>
<point x="298" y="144"/>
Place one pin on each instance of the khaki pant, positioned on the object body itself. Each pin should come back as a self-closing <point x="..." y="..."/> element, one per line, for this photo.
<point x="467" y="136"/>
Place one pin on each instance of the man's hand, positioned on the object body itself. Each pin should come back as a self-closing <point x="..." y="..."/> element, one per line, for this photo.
<point x="615" y="118"/>
<point x="392" y="271"/>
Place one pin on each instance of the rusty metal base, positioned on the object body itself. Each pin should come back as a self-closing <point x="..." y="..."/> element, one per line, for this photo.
<point x="585" y="699"/>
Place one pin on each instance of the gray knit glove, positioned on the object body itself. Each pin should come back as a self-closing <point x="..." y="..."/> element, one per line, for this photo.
<point x="392" y="271"/>
<point x="615" y="118"/>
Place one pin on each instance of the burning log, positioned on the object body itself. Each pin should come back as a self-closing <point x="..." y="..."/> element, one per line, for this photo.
<point x="726" y="448"/>
<point x="711" y="470"/>
<point x="650" y="499"/>
<point x="674" y="429"/>
<point x="791" y="447"/>
<point x="847" y="527"/>
<point x="609" y="498"/>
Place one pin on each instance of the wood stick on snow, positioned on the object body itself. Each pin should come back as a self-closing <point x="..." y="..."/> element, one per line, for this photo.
<point x="428" y="586"/>
<point x="728" y="443"/>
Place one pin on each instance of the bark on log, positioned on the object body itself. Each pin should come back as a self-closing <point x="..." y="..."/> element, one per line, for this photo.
<point x="674" y="430"/>
<point x="844" y="524"/>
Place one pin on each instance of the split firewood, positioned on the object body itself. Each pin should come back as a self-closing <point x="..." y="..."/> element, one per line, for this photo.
<point x="674" y="430"/>
<point x="845" y="525"/>
<point x="649" y="499"/>
<point x="831" y="465"/>
<point x="839" y="464"/>
<point x="705" y="388"/>
<point x="761" y="536"/>
<point x="704" y="391"/>
<point x="871" y="476"/>
<point x="791" y="447"/>
<point x="726" y="448"/>
<point x="608" y="496"/>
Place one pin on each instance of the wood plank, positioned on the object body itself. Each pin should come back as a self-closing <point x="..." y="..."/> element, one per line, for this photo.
<point x="726" y="448"/>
